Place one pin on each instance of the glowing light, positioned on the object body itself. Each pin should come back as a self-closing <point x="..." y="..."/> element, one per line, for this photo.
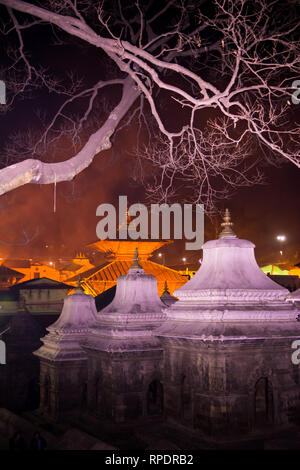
<point x="281" y="238"/>
<point x="183" y="259"/>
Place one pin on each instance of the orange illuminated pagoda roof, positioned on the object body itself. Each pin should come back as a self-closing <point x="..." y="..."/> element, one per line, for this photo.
<point x="124" y="249"/>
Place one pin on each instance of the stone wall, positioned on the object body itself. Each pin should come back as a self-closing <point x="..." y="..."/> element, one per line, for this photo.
<point x="118" y="384"/>
<point x="63" y="387"/>
<point x="230" y="387"/>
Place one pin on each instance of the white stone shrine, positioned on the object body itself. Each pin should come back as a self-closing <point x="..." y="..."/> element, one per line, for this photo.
<point x="227" y="344"/>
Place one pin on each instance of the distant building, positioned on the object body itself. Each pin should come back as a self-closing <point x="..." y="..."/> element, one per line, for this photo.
<point x="295" y="271"/>
<point x="77" y="266"/>
<point x="9" y="277"/>
<point x="272" y="269"/>
<point x="43" y="297"/>
<point x="33" y="270"/>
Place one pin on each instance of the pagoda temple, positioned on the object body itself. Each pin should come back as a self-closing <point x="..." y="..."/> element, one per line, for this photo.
<point x="119" y="254"/>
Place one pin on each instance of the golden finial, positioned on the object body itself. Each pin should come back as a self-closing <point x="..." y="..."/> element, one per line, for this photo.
<point x="227" y="224"/>
<point x="136" y="259"/>
<point x="79" y="287"/>
<point x="166" y="289"/>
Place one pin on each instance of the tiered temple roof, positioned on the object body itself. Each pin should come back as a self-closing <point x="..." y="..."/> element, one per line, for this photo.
<point x="97" y="280"/>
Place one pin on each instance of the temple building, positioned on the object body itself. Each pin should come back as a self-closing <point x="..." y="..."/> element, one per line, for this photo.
<point x="120" y="254"/>
<point x="78" y="265"/>
<point x="124" y="357"/>
<point x="227" y="345"/>
<point x="63" y="363"/>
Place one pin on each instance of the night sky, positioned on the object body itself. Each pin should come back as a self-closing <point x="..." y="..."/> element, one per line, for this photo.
<point x="259" y="213"/>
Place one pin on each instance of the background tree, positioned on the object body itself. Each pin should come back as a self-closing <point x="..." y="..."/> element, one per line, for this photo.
<point x="208" y="83"/>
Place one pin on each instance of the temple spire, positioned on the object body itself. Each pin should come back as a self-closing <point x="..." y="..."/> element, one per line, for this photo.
<point x="136" y="259"/>
<point x="166" y="289"/>
<point x="227" y="224"/>
<point x="79" y="287"/>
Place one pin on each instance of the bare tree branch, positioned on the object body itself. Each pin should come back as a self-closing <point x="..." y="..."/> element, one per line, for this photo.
<point x="35" y="171"/>
<point x="238" y="61"/>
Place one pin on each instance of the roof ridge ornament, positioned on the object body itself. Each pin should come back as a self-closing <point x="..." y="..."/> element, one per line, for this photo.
<point x="227" y="224"/>
<point x="136" y="259"/>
